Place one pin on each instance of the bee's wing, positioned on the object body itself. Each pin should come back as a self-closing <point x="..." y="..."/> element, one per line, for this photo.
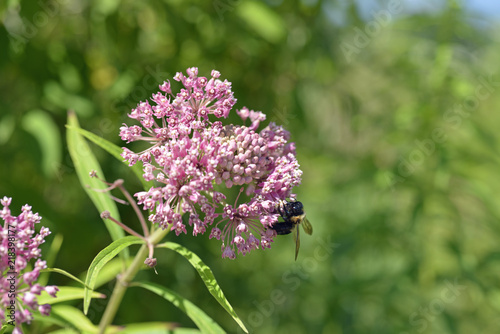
<point x="307" y="226"/>
<point x="296" y="237"/>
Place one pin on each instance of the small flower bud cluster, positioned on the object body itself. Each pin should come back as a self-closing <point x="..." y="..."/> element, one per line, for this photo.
<point x="189" y="152"/>
<point x="18" y="246"/>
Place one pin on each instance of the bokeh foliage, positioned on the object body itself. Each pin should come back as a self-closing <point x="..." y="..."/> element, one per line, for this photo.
<point x="398" y="141"/>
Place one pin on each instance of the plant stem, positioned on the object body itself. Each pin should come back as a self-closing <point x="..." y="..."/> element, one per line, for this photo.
<point x="125" y="278"/>
<point x="136" y="209"/>
<point x="126" y="228"/>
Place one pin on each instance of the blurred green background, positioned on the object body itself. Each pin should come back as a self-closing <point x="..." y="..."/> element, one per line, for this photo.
<point x="393" y="110"/>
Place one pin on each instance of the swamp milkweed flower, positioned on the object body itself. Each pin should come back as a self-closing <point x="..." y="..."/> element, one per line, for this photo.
<point x="18" y="246"/>
<point x="193" y="158"/>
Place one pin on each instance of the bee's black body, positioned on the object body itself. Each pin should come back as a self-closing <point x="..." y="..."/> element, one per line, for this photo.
<point x="292" y="214"/>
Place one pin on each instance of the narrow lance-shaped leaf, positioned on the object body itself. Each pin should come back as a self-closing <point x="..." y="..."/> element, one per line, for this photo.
<point x="100" y="260"/>
<point x="206" y="324"/>
<point x="74" y="317"/>
<point x="110" y="271"/>
<point x="54" y="320"/>
<point x="39" y="124"/>
<point x="63" y="272"/>
<point x="208" y="278"/>
<point x="50" y="259"/>
<point x="65" y="331"/>
<point x="66" y="293"/>
<point x="85" y="161"/>
<point x="114" y="151"/>
<point x="152" y="327"/>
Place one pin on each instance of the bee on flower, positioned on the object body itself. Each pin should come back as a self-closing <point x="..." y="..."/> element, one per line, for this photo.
<point x="193" y="157"/>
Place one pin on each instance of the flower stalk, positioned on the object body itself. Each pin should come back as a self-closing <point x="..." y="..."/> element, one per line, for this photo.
<point x="124" y="279"/>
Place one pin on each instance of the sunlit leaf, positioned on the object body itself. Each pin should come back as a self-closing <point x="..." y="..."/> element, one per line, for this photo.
<point x="149" y="328"/>
<point x="54" y="320"/>
<point x="101" y="259"/>
<point x="208" y="278"/>
<point x="55" y="246"/>
<point x="74" y="317"/>
<point x="70" y="77"/>
<point x="114" y="151"/>
<point x="154" y="330"/>
<point x="65" y="331"/>
<point x="109" y="271"/>
<point x="85" y="161"/>
<point x="262" y="19"/>
<point x="41" y="126"/>
<point x="7" y="126"/>
<point x="203" y="321"/>
<point x="66" y="293"/>
<point x="107" y="7"/>
<point x="57" y="95"/>
<point x="63" y="272"/>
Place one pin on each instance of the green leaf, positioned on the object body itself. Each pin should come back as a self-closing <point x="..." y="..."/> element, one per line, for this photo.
<point x="63" y="272"/>
<point x="51" y="320"/>
<point x="115" y="151"/>
<point x="85" y="161"/>
<point x="203" y="321"/>
<point x="66" y="293"/>
<point x="263" y="20"/>
<point x="41" y="126"/>
<point x="100" y="260"/>
<point x="110" y="271"/>
<point x="157" y="330"/>
<point x="106" y="7"/>
<point x="7" y="127"/>
<point x="64" y="331"/>
<point x="208" y="278"/>
<point x="149" y="328"/>
<point x="74" y="317"/>
<point x="186" y="331"/>
<point x="56" y="94"/>
<point x="50" y="259"/>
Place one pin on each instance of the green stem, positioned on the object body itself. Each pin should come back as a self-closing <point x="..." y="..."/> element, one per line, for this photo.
<point x="125" y="278"/>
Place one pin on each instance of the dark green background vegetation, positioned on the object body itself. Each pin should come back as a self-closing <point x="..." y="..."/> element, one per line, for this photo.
<point x="397" y="131"/>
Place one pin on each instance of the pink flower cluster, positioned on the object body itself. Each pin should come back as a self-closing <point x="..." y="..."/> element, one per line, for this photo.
<point x="18" y="246"/>
<point x="189" y="153"/>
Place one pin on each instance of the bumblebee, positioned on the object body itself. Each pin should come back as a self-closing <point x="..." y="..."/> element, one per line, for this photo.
<point x="293" y="214"/>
